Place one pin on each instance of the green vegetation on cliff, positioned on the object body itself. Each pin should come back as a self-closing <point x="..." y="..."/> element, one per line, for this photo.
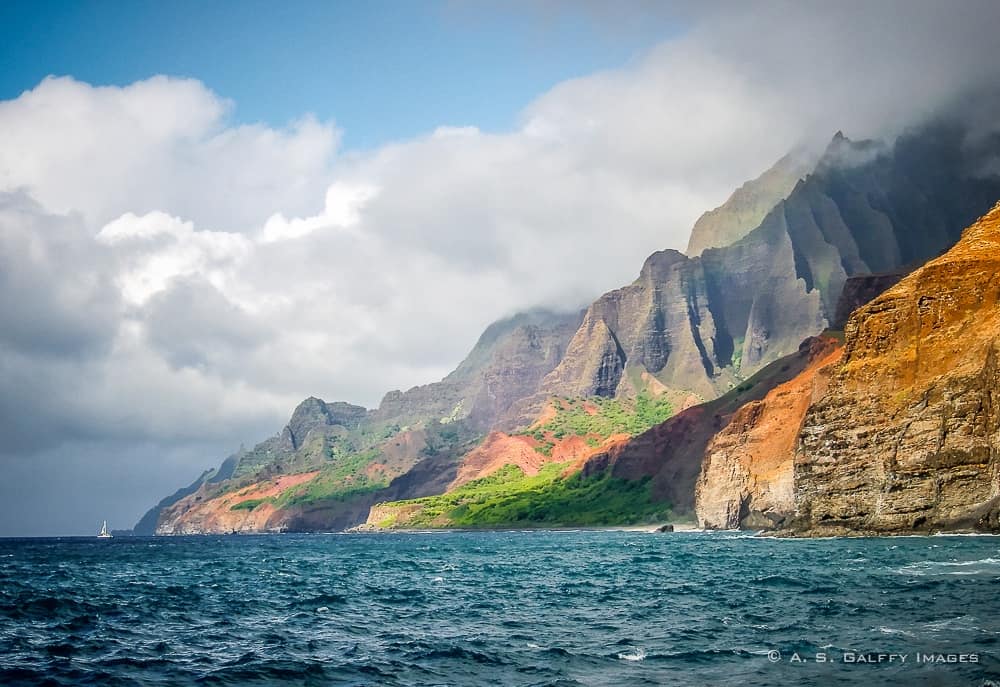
<point x="249" y="504"/>
<point x="350" y="475"/>
<point x="603" y="417"/>
<point x="508" y="497"/>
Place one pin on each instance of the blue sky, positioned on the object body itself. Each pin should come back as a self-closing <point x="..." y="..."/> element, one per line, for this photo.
<point x="382" y="70"/>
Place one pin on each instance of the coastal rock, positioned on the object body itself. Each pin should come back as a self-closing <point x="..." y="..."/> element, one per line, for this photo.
<point x="907" y="436"/>
<point x="146" y="527"/>
<point x="746" y="476"/>
<point x="198" y="514"/>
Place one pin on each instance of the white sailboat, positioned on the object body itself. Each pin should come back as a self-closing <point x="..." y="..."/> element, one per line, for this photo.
<point x="104" y="531"/>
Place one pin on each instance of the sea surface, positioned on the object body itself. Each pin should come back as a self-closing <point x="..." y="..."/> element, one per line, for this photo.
<point x="500" y="608"/>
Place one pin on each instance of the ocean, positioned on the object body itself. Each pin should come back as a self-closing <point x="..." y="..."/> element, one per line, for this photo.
<point x="500" y="609"/>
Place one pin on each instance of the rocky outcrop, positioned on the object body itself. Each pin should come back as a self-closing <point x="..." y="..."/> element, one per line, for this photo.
<point x="746" y="208"/>
<point x="304" y="442"/>
<point x="200" y="515"/>
<point x="703" y="324"/>
<point x="907" y="436"/>
<point x="507" y="364"/>
<point x="746" y="478"/>
<point x="860" y="290"/>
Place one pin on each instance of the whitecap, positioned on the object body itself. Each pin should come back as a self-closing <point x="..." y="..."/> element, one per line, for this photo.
<point x="322" y="609"/>
<point x="438" y="579"/>
<point x="962" y="622"/>
<point x="637" y="654"/>
<point x="987" y="565"/>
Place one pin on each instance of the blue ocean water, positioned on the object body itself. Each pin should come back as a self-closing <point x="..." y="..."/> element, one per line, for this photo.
<point x="500" y="608"/>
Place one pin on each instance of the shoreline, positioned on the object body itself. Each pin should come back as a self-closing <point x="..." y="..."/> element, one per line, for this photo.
<point x="652" y="529"/>
<point x="684" y="527"/>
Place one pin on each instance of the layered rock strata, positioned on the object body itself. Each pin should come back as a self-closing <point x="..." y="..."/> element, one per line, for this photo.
<point x="907" y="436"/>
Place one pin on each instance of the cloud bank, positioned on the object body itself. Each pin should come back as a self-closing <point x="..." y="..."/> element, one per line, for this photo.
<point x="174" y="283"/>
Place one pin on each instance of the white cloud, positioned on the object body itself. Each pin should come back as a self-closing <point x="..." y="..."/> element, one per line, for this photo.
<point x="342" y="210"/>
<point x="155" y="249"/>
<point x="160" y="144"/>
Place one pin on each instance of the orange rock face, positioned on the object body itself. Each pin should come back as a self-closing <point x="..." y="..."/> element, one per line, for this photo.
<point x="500" y="449"/>
<point x="907" y="436"/>
<point x="198" y="513"/>
<point x="497" y="450"/>
<point x="746" y="477"/>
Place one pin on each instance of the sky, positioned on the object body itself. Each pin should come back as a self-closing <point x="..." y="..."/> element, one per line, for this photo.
<point x="382" y="70"/>
<point x="210" y="211"/>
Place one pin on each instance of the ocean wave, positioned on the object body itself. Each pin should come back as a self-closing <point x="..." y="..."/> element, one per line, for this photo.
<point x="636" y="654"/>
<point x="987" y="565"/>
<point x="531" y="609"/>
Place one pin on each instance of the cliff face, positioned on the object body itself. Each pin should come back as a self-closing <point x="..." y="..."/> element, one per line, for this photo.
<point x="746" y="478"/>
<point x="506" y="364"/>
<point x="673" y="453"/>
<point x="860" y="290"/>
<point x="661" y="324"/>
<point x="746" y="208"/>
<point x="907" y="436"/>
<point x="702" y="324"/>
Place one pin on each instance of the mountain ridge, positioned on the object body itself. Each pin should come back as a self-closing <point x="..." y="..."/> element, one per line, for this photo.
<point x="686" y="330"/>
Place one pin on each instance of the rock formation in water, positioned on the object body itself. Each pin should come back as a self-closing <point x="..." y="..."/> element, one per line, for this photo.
<point x="908" y="435"/>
